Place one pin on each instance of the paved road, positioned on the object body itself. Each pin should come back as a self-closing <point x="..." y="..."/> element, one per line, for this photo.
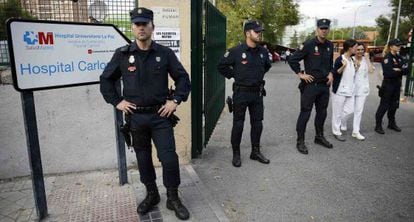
<point x="371" y="180"/>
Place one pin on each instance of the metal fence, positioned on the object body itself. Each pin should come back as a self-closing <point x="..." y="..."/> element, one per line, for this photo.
<point x="92" y="11"/>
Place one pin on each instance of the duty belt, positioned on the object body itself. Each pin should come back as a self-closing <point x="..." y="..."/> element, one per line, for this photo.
<point x="147" y="109"/>
<point x="246" y="88"/>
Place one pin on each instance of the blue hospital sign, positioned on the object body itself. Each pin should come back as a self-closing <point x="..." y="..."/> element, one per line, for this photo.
<point x="46" y="54"/>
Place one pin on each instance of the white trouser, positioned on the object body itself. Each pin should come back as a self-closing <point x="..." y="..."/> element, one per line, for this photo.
<point x="341" y="106"/>
<point x="358" y="107"/>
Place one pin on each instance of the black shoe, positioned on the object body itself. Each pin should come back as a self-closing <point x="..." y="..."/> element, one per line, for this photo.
<point x="323" y="142"/>
<point x="236" y="156"/>
<point x="174" y="203"/>
<point x="379" y="130"/>
<point x="394" y="127"/>
<point x="300" y="145"/>
<point x="257" y="155"/>
<point x="152" y="199"/>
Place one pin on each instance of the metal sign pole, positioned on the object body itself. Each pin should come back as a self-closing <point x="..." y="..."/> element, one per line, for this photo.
<point x="120" y="143"/>
<point x="33" y="149"/>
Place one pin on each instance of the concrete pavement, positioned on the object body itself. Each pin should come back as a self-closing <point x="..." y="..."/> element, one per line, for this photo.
<point x="97" y="196"/>
<point x="371" y="180"/>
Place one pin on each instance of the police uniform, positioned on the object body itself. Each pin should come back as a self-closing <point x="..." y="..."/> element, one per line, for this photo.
<point x="390" y="89"/>
<point x="247" y="66"/>
<point x="318" y="61"/>
<point x="145" y="83"/>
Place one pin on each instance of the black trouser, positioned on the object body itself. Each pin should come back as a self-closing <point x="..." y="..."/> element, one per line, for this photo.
<point x="313" y="93"/>
<point x="241" y="101"/>
<point x="390" y="100"/>
<point x="147" y="126"/>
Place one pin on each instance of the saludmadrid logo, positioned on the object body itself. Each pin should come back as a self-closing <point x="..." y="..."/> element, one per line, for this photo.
<point x="38" y="40"/>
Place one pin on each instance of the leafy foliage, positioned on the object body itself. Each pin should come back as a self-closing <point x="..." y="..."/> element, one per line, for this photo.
<point x="406" y="21"/>
<point x="9" y="9"/>
<point x="274" y="15"/>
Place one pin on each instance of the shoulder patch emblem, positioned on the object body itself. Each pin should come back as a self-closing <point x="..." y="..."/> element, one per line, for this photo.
<point x="226" y="54"/>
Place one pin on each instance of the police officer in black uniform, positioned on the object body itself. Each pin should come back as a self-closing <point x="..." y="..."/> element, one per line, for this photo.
<point x="144" y="67"/>
<point x="247" y="63"/>
<point x="394" y="68"/>
<point x="317" y="54"/>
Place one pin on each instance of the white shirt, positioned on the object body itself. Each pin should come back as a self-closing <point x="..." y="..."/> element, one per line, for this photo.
<point x="361" y="79"/>
<point x="346" y="86"/>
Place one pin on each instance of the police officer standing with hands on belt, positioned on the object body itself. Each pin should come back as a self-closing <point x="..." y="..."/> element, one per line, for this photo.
<point x="317" y="54"/>
<point x="247" y="63"/>
<point x="144" y="67"/>
<point x="393" y="68"/>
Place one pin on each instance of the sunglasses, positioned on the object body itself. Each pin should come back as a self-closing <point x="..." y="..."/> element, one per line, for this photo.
<point x="258" y="32"/>
<point x="323" y="28"/>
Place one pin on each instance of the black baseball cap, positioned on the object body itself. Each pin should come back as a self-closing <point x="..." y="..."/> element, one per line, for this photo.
<point x="396" y="42"/>
<point x="323" y="23"/>
<point x="255" y="25"/>
<point x="141" y="15"/>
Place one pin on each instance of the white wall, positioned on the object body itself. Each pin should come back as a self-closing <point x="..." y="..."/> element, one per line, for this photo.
<point x="76" y="131"/>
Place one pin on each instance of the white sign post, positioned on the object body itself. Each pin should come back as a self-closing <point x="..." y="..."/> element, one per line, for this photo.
<point x="50" y="54"/>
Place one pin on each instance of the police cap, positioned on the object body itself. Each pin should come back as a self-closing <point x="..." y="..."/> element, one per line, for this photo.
<point x="396" y="42"/>
<point x="323" y="23"/>
<point x="255" y="25"/>
<point x="141" y="15"/>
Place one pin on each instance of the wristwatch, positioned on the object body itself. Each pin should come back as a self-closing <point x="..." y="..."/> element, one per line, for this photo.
<point x="176" y="101"/>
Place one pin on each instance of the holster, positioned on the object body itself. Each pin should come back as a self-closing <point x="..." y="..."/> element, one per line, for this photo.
<point x="125" y="129"/>
<point x="380" y="90"/>
<point x="229" y="102"/>
<point x="301" y="86"/>
<point x="174" y="119"/>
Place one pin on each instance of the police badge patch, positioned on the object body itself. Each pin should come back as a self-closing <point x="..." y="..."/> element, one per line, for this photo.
<point x="261" y="56"/>
<point x="131" y="59"/>
<point x="158" y="59"/>
<point x="244" y="56"/>
<point x="385" y="61"/>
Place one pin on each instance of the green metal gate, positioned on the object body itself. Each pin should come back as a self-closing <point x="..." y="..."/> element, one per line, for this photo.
<point x="214" y="83"/>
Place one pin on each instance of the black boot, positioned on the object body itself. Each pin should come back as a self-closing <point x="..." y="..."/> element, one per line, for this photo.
<point x="257" y="155"/>
<point x="152" y="199"/>
<point x="320" y="139"/>
<point x="392" y="125"/>
<point x="236" y="156"/>
<point x="174" y="203"/>
<point x="300" y="145"/>
<point x="379" y="129"/>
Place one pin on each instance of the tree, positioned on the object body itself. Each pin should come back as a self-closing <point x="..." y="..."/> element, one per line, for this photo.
<point x="406" y="20"/>
<point x="9" y="9"/>
<point x="274" y="15"/>
<point x="294" y="41"/>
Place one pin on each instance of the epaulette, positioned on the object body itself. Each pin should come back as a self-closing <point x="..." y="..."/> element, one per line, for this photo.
<point x="125" y="49"/>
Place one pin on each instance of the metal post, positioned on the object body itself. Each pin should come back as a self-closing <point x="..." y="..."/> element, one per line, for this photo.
<point x="33" y="149"/>
<point x="389" y="32"/>
<point x="398" y="20"/>
<point x="120" y="142"/>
